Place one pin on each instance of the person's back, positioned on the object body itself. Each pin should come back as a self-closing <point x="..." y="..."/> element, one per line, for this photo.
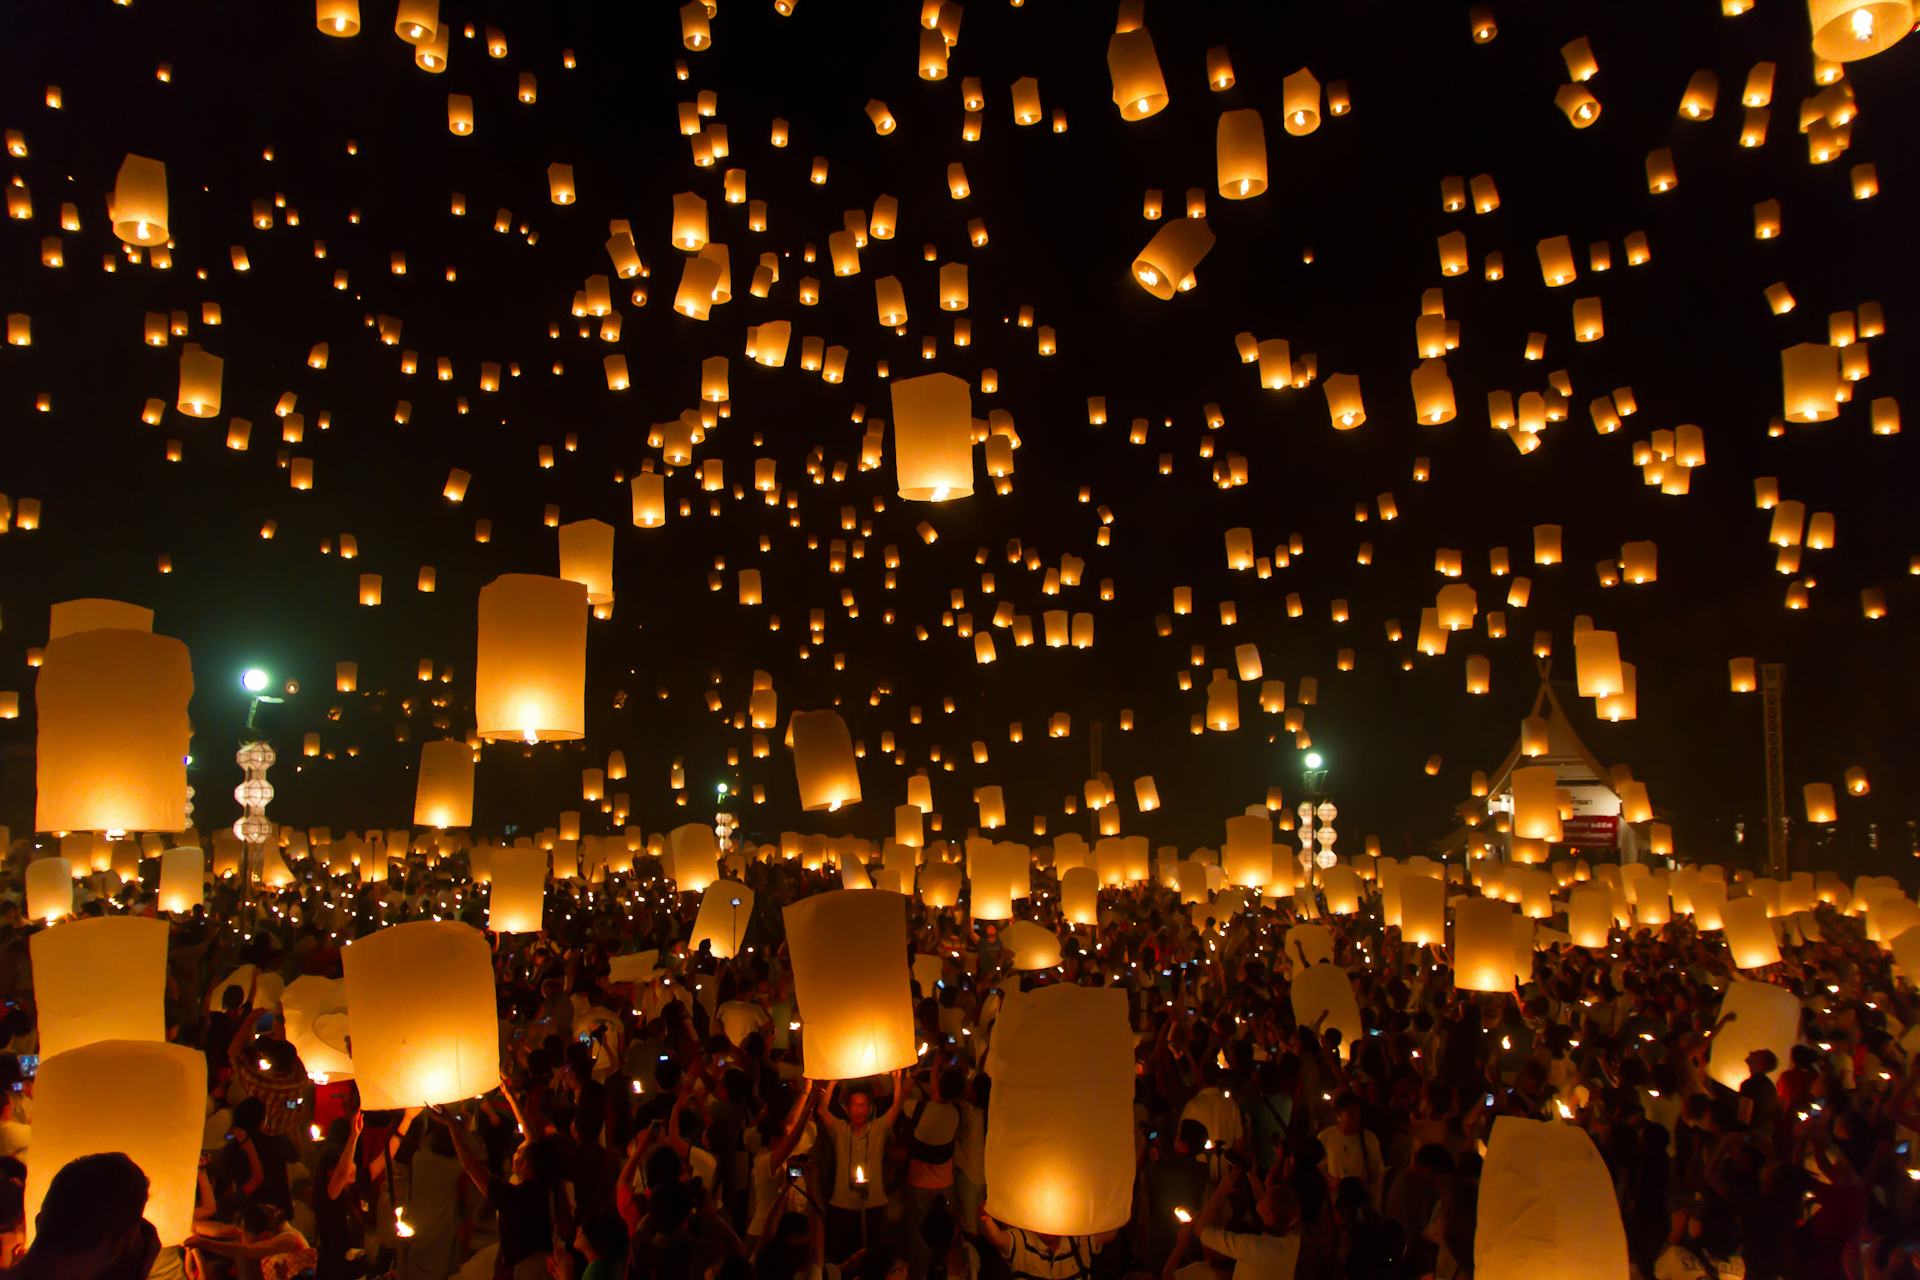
<point x="91" y="1224"/>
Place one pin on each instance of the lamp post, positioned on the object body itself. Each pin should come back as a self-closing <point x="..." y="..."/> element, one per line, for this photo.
<point x="254" y="793"/>
<point x="1317" y="813"/>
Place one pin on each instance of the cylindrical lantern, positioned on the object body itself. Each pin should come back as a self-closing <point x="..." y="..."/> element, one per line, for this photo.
<point x="1059" y="1155"/>
<point x="530" y="666"/>
<point x="49" y="885"/>
<point x="100" y="979"/>
<point x="1423" y="909"/>
<point x="1247" y="856"/>
<point x="1590" y="916"/>
<point x="517" y="899"/>
<point x="1342" y="887"/>
<point x="443" y="794"/>
<point x="933" y="437"/>
<point x="1483" y="945"/>
<point x="725" y="910"/>
<point x="138" y="207"/>
<point x="1080" y="895"/>
<point x="1749" y="933"/>
<point x="143" y="1099"/>
<point x="1167" y="264"/>
<point x="1139" y="89"/>
<point x="182" y="880"/>
<point x="113" y="732"/>
<point x="849" y="957"/>
<point x="1240" y="146"/>
<point x="586" y="557"/>
<point x="425" y="1023"/>
<point x="823" y="761"/>
<point x="1846" y="30"/>
<point x="1546" y="1206"/>
<point x="1766" y="1017"/>
<point x="1325" y="989"/>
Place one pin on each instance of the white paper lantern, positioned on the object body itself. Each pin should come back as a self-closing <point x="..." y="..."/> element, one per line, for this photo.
<point x="1767" y="1017"/>
<point x="143" y="1098"/>
<point x="1059" y="1155"/>
<point x="725" y="909"/>
<point x="516" y="902"/>
<point x="849" y="957"/>
<point x="425" y="1025"/>
<point x="1546" y="1207"/>
<point x="100" y="979"/>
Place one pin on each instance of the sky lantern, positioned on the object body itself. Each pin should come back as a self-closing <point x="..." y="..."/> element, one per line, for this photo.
<point x="530" y="661"/>
<point x="81" y="1108"/>
<point x="1848" y="30"/>
<point x="425" y="1026"/>
<point x="443" y="792"/>
<point x="100" y="979"/>
<point x="933" y="437"/>
<point x="1059" y="1155"/>
<point x="823" y="761"/>
<point x="1300" y="100"/>
<point x="516" y="902"/>
<point x="137" y="209"/>
<point x="1167" y="264"/>
<point x="850" y="981"/>
<point x="1483" y="945"/>
<point x="1546" y="1206"/>
<point x="1139" y="90"/>
<point x="1240" y="146"/>
<point x="586" y="557"/>
<point x="112" y="732"/>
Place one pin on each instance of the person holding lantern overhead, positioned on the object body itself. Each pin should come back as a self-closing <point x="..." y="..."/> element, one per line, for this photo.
<point x="857" y="1203"/>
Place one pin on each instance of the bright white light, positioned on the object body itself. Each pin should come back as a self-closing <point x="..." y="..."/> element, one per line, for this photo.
<point x="1314" y="760"/>
<point x="253" y="680"/>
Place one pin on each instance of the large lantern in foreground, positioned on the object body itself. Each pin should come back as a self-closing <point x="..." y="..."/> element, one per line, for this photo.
<point x="103" y="979"/>
<point x="425" y="1026"/>
<point x="1847" y="30"/>
<point x="1059" y="1155"/>
<point x="530" y="667"/>
<point x="1547" y="1207"/>
<point x="933" y="437"/>
<point x="849" y="951"/>
<point x="113" y="732"/>
<point x="143" y="1098"/>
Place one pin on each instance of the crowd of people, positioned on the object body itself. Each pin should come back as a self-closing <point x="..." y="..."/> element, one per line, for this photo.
<point x="660" y="1125"/>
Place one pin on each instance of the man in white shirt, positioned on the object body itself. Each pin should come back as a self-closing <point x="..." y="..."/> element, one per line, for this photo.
<point x="1352" y="1152"/>
<point x="1226" y="1127"/>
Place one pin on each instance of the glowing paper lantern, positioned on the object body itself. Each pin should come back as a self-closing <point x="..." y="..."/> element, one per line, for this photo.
<point x="823" y="761"/>
<point x="1483" y="945"/>
<point x="1546" y="1206"/>
<point x="933" y="437"/>
<point x="940" y="885"/>
<point x="1536" y="803"/>
<point x="1590" y="916"/>
<point x="1847" y="30"/>
<point x="1423" y="910"/>
<point x="1342" y="888"/>
<point x="1324" y="988"/>
<point x="425" y="1026"/>
<point x="1768" y="1017"/>
<point x="1167" y="264"/>
<point x="517" y="901"/>
<point x="82" y="1105"/>
<point x="1032" y="946"/>
<point x="530" y="665"/>
<point x="1749" y="933"/>
<point x="1080" y="895"/>
<point x="182" y="880"/>
<point x="138" y="206"/>
<point x="1818" y="797"/>
<point x="1059" y="1156"/>
<point x="849" y="957"/>
<point x="586" y="557"/>
<point x="1240" y="145"/>
<point x="100" y="979"/>
<point x="1139" y="89"/>
<point x="113" y="732"/>
<point x="726" y="908"/>
<point x="443" y="795"/>
<point x="694" y="857"/>
<point x="315" y="1010"/>
<point x="1247" y="856"/>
